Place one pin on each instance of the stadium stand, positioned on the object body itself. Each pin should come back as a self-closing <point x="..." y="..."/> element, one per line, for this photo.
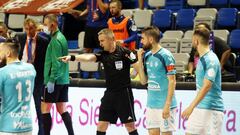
<point x="127" y="12"/>
<point x="181" y="61"/>
<point x="162" y="19"/>
<point x="224" y="33"/>
<point x="197" y="2"/>
<point x="140" y="15"/>
<point x="184" y="19"/>
<point x="218" y="3"/>
<point x="206" y="15"/>
<point x="227" y="18"/>
<point x="156" y="3"/>
<point x="171" y="40"/>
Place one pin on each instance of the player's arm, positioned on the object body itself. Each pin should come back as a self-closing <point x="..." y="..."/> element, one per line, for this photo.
<point x="132" y="31"/>
<point x="225" y="57"/>
<point x="170" y="62"/>
<point x="171" y="88"/>
<point x="77" y="13"/>
<point x="207" y="84"/>
<point x="140" y="67"/>
<point x="81" y="58"/>
<point x="102" y="6"/>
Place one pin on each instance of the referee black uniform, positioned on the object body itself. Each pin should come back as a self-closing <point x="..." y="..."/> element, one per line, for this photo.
<point x="118" y="101"/>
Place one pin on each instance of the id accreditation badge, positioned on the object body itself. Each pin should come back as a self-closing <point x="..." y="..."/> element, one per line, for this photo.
<point x="118" y="65"/>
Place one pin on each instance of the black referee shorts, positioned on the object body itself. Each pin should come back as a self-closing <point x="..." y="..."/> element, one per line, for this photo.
<point x="60" y="94"/>
<point x="116" y="105"/>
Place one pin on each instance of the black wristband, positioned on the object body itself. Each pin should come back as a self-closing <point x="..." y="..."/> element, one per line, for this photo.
<point x="72" y="57"/>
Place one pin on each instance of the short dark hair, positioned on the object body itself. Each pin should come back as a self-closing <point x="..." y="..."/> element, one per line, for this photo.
<point x="28" y="21"/>
<point x="119" y="3"/>
<point x="204" y="33"/>
<point x="152" y="31"/>
<point x="204" y="25"/>
<point x="52" y="18"/>
<point x="13" y="44"/>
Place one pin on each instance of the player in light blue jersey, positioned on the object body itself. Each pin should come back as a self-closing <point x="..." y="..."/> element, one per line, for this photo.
<point x="205" y="113"/>
<point x="16" y="87"/>
<point x="156" y="68"/>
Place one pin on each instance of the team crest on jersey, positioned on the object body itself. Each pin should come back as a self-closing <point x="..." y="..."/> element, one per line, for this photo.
<point x="211" y="72"/>
<point x="118" y="65"/>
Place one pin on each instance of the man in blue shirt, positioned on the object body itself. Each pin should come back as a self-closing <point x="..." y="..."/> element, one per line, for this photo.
<point x="156" y="68"/>
<point x="97" y="15"/>
<point x="16" y="88"/>
<point x="205" y="113"/>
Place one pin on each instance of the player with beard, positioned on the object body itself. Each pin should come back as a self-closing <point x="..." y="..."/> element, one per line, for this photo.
<point x="16" y="88"/>
<point x="124" y="28"/>
<point x="156" y="68"/>
<point x="205" y="113"/>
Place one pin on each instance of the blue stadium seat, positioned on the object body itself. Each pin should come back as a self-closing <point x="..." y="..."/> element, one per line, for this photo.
<point x="227" y="18"/>
<point x="218" y="3"/>
<point x="185" y="19"/>
<point x="234" y="41"/>
<point x="174" y="5"/>
<point x="162" y="19"/>
<point x="235" y="3"/>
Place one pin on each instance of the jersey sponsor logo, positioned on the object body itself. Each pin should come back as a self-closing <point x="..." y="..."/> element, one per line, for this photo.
<point x="152" y="85"/>
<point x="22" y="114"/>
<point x="118" y="30"/>
<point x="134" y="28"/>
<point x="129" y="118"/>
<point x="211" y="72"/>
<point x="118" y="65"/>
<point x="21" y="125"/>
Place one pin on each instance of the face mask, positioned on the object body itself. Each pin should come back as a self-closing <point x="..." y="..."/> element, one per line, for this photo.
<point x="45" y="30"/>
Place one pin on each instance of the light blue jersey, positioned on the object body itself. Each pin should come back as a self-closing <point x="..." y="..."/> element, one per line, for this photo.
<point x="16" y="88"/>
<point x="158" y="66"/>
<point x="209" y="68"/>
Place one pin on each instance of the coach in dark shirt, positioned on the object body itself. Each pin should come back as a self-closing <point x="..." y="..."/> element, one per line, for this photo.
<point x="221" y="49"/>
<point x="117" y="101"/>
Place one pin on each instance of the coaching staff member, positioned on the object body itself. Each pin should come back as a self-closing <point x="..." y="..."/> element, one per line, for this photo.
<point x="117" y="101"/>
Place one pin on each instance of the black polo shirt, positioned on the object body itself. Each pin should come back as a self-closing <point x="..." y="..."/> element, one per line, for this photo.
<point x="117" y="67"/>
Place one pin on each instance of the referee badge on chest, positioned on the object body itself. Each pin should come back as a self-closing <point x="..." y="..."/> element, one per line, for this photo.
<point x="118" y="65"/>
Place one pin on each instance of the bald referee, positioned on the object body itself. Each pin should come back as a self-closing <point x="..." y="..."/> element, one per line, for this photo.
<point x="117" y="101"/>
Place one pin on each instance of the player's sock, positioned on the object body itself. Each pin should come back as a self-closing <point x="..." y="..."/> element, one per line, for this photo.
<point x="101" y="133"/>
<point x="133" y="132"/>
<point x="47" y="123"/>
<point x="68" y="122"/>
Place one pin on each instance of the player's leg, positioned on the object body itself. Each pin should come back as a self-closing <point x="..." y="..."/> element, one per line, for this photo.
<point x="216" y="122"/>
<point x="198" y="122"/>
<point x="46" y="117"/>
<point x="154" y="131"/>
<point x="62" y="99"/>
<point x="125" y="110"/>
<point x="46" y="105"/>
<point x="107" y="114"/>
<point x="37" y="100"/>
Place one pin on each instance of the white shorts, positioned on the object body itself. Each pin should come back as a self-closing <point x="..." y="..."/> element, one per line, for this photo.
<point x="22" y="133"/>
<point x="154" y="119"/>
<point x="205" y="122"/>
